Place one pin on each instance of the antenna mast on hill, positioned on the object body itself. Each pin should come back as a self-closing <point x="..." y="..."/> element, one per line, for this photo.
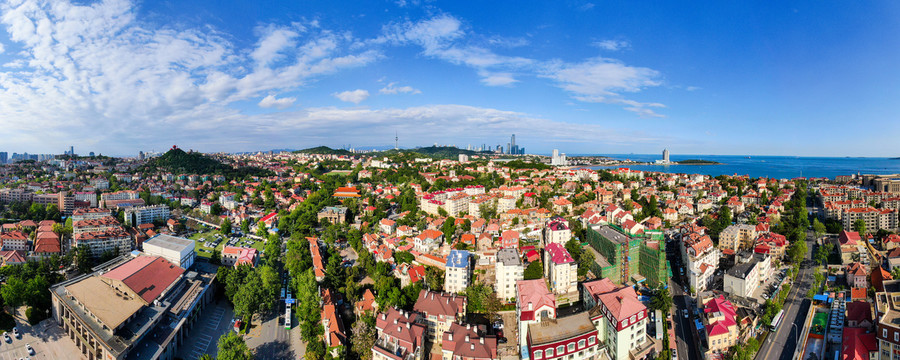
<point x="396" y="140"/>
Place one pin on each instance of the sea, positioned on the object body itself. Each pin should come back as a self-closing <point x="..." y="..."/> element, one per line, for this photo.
<point x="777" y="167"/>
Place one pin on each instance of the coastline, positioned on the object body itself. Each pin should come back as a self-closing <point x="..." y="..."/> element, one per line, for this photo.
<point x="626" y="164"/>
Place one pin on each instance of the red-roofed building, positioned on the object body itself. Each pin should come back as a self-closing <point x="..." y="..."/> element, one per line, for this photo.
<point x="534" y="303"/>
<point x="400" y="336"/>
<point x="560" y="268"/>
<point x="620" y="317"/>
<point x="719" y="317"/>
<point x="464" y="342"/>
<point x="509" y="239"/>
<point x="858" y="344"/>
<point x="12" y="257"/>
<point x="236" y="256"/>
<point x="147" y="276"/>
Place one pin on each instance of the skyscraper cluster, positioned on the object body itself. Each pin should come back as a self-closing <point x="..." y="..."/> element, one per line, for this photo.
<point x="558" y="159"/>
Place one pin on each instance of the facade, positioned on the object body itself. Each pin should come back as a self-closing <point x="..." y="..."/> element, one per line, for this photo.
<point x="700" y="258"/>
<point x="557" y="231"/>
<point x="137" y="307"/>
<point x="13" y="241"/>
<point x="742" y="279"/>
<point x="438" y="310"/>
<point x="465" y="342"/>
<point x="620" y="319"/>
<point x="736" y="237"/>
<point x="509" y="270"/>
<point x="458" y="273"/>
<point x="560" y="269"/>
<point x="572" y="337"/>
<point x="719" y="320"/>
<point x="177" y="250"/>
<point x="237" y="256"/>
<point x="535" y="303"/>
<point x="400" y="336"/>
<point x="628" y="257"/>
<point x="119" y="195"/>
<point x="139" y="215"/>
<point x="334" y="214"/>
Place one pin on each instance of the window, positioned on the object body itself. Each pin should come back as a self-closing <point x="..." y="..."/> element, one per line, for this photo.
<point x="592" y="340"/>
<point x="896" y="336"/>
<point x="571" y="347"/>
<point x="560" y="350"/>
<point x="549" y="352"/>
<point x="884" y="333"/>
<point x="581" y="344"/>
<point x="538" y="354"/>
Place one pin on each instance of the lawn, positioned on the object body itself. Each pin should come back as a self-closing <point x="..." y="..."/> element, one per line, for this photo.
<point x="206" y="252"/>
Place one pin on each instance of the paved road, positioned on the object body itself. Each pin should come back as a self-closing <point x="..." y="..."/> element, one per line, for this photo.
<point x="684" y="328"/>
<point x="783" y="343"/>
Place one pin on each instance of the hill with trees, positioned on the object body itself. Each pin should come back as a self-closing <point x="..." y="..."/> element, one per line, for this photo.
<point x="324" y="150"/>
<point x="178" y="161"/>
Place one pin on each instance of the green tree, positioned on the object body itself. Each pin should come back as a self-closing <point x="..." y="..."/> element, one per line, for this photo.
<point x="535" y="270"/>
<point x="226" y="227"/>
<point x="403" y="257"/>
<point x="661" y="300"/>
<point x="818" y="228"/>
<point x="860" y="226"/>
<point x="206" y="357"/>
<point x="362" y="337"/>
<point x="245" y="226"/>
<point x="434" y="278"/>
<point x="84" y="259"/>
<point x="233" y="347"/>
<point x="215" y="257"/>
<point x="797" y="251"/>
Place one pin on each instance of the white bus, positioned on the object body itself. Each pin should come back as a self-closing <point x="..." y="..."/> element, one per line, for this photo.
<point x="776" y="320"/>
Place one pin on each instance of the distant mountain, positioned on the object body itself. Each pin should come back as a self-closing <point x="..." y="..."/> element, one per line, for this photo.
<point x="324" y="150"/>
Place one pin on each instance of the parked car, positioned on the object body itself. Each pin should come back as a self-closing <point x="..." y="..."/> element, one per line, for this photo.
<point x="16" y="333"/>
<point x="6" y="337"/>
<point x="30" y="350"/>
<point x="685" y="313"/>
<point x="501" y="340"/>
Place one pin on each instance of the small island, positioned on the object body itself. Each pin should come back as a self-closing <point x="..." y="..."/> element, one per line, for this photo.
<point x="697" y="162"/>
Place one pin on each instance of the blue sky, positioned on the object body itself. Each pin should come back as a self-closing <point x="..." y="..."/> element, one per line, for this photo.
<point x="812" y="78"/>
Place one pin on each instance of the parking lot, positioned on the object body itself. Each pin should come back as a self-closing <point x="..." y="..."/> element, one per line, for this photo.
<point x="47" y="339"/>
<point x="206" y="242"/>
<point x="203" y="338"/>
<point x="764" y="292"/>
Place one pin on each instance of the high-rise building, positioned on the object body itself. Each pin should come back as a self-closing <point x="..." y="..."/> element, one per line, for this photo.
<point x="666" y="155"/>
<point x="92" y="154"/>
<point x="3" y="157"/>
<point x="140" y="155"/>
<point x="558" y="159"/>
<point x="72" y="150"/>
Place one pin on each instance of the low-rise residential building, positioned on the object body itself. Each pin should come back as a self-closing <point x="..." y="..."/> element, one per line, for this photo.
<point x="438" y="311"/>
<point x="509" y="270"/>
<point x="400" y="336"/>
<point x="236" y="256"/>
<point x="572" y="337"/>
<point x="719" y="320"/>
<point x="736" y="237"/>
<point x="620" y="318"/>
<point x="464" y="342"/>
<point x="138" y="215"/>
<point x="534" y="303"/>
<point x="742" y="279"/>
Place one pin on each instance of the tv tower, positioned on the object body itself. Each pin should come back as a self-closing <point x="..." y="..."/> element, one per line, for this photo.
<point x="396" y="140"/>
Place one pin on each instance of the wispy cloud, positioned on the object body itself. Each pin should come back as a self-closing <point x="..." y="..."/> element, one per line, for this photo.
<point x="353" y="96"/>
<point x="612" y="45"/>
<point x="271" y="102"/>
<point x="392" y="88"/>
<point x="601" y="80"/>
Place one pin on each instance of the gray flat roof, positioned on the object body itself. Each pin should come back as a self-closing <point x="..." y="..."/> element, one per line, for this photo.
<point x="509" y="257"/>
<point x="170" y="242"/>
<point x="611" y="234"/>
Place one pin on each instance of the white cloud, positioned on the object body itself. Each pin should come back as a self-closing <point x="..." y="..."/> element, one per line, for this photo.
<point x="393" y="89"/>
<point x="612" y="45"/>
<point x="271" y="102"/>
<point x="95" y="66"/>
<point x="497" y="79"/>
<point x="601" y="80"/>
<point x="442" y="37"/>
<point x="354" y="96"/>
